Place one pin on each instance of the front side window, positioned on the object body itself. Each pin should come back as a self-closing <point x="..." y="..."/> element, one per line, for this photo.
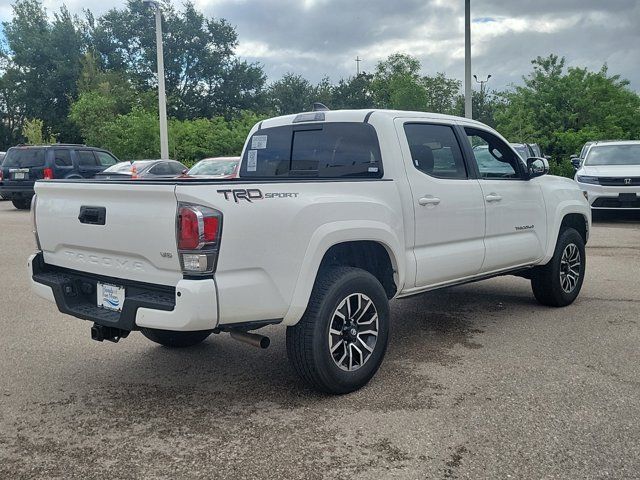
<point x="495" y="159"/>
<point x="435" y="150"/>
<point x="105" y="159"/>
<point x="331" y="150"/>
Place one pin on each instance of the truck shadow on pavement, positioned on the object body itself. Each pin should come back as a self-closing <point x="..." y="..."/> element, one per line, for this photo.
<point x="222" y="402"/>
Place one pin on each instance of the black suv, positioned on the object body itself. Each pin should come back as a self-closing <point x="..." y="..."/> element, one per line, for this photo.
<point x="23" y="165"/>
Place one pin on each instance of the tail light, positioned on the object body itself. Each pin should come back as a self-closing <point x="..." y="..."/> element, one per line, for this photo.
<point x="47" y="173"/>
<point x="34" y="203"/>
<point x="198" y="231"/>
<point x="1" y="174"/>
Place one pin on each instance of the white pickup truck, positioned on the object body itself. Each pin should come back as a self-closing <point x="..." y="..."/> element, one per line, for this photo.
<point x="334" y="213"/>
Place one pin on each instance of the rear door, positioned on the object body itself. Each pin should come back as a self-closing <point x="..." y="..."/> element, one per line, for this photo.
<point x="447" y="200"/>
<point x="63" y="164"/>
<point x="135" y="241"/>
<point x="516" y="221"/>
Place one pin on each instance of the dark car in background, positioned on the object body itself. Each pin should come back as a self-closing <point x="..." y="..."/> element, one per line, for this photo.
<point x="143" y="169"/>
<point x="524" y="150"/>
<point x="218" y="167"/>
<point x="25" y="164"/>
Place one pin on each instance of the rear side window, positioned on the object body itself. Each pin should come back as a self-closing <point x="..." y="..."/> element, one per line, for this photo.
<point x="435" y="150"/>
<point x="331" y="150"/>
<point x="86" y="158"/>
<point x="24" y="158"/>
<point x="162" y="168"/>
<point x="62" y="158"/>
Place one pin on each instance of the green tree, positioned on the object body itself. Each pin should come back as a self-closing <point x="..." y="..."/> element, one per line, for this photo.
<point x="396" y="83"/>
<point x="203" y="76"/>
<point x="354" y="92"/>
<point x="441" y="93"/>
<point x="43" y="61"/>
<point x="34" y="131"/>
<point x="291" y="94"/>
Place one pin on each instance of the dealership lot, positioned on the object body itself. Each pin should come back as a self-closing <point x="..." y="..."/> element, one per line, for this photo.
<point x="479" y="382"/>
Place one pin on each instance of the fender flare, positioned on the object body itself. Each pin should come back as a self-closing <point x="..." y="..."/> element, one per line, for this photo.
<point x="562" y="210"/>
<point x="329" y="235"/>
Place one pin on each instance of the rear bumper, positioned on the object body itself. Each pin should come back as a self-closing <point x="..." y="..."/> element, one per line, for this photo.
<point x="191" y="305"/>
<point x="16" y="192"/>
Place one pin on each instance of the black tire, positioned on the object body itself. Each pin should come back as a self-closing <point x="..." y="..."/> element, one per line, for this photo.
<point x="546" y="280"/>
<point x="173" y="339"/>
<point x="22" y="204"/>
<point x="308" y="346"/>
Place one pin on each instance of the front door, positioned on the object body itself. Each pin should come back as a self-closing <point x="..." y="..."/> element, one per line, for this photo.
<point x="448" y="203"/>
<point x="516" y="220"/>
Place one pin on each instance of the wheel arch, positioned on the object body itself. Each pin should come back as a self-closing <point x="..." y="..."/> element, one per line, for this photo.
<point x="371" y="246"/>
<point x="569" y="217"/>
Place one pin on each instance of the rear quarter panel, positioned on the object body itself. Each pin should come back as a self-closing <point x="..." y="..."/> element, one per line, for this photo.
<point x="271" y="247"/>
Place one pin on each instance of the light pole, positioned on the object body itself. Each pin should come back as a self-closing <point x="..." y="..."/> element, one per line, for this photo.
<point x="162" y="98"/>
<point x="468" y="105"/>
<point x="482" y="84"/>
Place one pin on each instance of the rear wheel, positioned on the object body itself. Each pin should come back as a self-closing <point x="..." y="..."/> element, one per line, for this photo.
<point x="170" y="338"/>
<point x="558" y="283"/>
<point x="340" y="342"/>
<point x="22" y="204"/>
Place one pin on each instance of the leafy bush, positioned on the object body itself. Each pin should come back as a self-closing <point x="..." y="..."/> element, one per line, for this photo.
<point x="563" y="168"/>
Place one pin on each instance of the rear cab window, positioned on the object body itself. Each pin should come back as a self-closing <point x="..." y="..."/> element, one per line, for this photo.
<point x="327" y="150"/>
<point x="24" y="158"/>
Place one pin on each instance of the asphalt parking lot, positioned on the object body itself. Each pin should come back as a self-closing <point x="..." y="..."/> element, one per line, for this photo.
<point x="479" y="382"/>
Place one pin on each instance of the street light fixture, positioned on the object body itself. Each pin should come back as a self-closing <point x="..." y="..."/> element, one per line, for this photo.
<point x="162" y="98"/>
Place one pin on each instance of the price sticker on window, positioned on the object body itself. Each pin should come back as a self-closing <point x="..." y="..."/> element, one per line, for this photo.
<point x="252" y="161"/>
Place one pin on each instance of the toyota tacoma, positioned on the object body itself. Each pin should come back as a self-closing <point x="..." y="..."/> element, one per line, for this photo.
<point x="333" y="214"/>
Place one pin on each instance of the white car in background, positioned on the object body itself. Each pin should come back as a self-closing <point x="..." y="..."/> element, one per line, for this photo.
<point x="609" y="175"/>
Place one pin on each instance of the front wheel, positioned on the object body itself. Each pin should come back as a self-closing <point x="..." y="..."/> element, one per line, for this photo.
<point x="558" y="283"/>
<point x="22" y="204"/>
<point x="173" y="339"/>
<point x="339" y="343"/>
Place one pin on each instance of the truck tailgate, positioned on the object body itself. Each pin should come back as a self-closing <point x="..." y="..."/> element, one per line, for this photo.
<point x="137" y="240"/>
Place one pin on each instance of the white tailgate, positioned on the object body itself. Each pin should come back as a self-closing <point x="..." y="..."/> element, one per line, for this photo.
<point x="137" y="241"/>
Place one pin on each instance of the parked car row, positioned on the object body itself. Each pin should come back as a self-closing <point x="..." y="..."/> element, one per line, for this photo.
<point x="23" y="165"/>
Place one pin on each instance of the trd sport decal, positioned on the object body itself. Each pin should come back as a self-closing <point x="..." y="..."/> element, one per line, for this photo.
<point x="251" y="194"/>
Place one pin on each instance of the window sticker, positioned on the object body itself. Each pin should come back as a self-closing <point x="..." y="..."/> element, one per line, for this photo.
<point x="372" y="169"/>
<point x="252" y="160"/>
<point x="259" y="142"/>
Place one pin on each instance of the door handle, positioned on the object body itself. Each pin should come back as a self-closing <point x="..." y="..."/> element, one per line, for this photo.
<point x="493" y="197"/>
<point x="424" y="201"/>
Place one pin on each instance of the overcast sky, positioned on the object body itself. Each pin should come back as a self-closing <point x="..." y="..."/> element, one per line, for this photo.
<point x="319" y="38"/>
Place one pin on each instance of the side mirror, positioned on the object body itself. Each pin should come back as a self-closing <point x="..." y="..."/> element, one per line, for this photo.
<point x="184" y="172"/>
<point x="537" y="166"/>
<point x="575" y="161"/>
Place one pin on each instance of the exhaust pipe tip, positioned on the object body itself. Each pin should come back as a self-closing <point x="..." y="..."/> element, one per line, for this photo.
<point x="253" y="339"/>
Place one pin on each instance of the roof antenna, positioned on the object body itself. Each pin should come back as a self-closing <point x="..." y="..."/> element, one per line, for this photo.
<point x="320" y="107"/>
